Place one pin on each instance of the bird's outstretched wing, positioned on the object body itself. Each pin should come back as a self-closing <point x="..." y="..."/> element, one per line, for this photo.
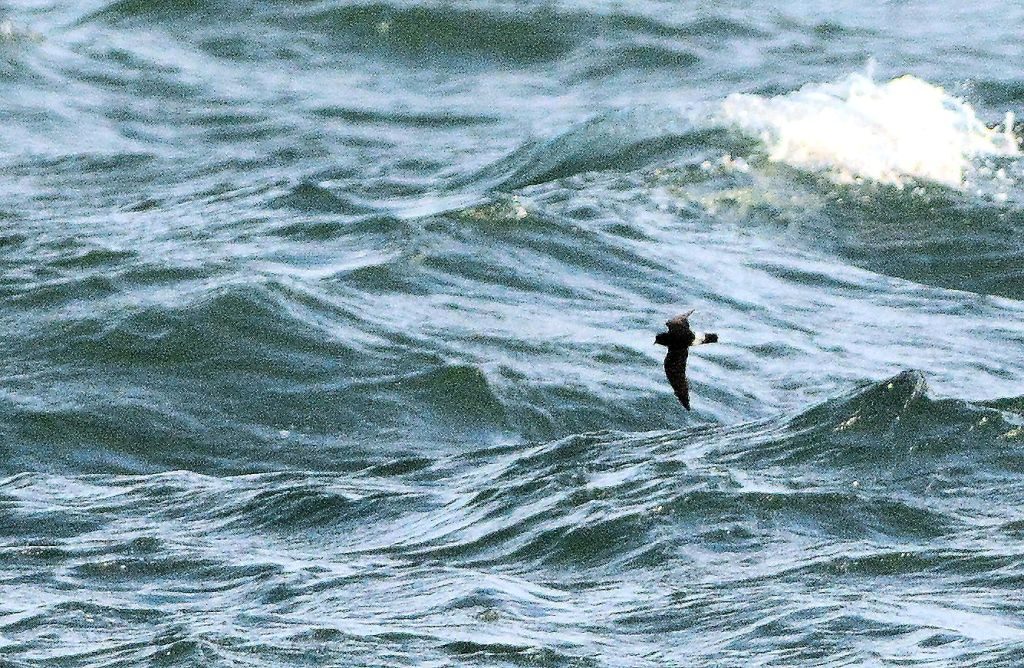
<point x="675" y="369"/>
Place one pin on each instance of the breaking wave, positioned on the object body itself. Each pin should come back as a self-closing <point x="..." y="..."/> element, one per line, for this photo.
<point x="855" y="129"/>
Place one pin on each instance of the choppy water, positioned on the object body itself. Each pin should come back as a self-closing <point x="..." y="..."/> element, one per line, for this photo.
<point x="328" y="334"/>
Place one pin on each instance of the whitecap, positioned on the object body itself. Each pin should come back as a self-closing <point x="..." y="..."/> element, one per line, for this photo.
<point x="855" y="129"/>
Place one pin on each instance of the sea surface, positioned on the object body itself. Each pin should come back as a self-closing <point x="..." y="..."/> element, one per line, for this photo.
<point x="327" y="333"/>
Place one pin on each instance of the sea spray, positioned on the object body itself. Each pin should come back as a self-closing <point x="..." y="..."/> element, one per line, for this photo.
<point x="856" y="129"/>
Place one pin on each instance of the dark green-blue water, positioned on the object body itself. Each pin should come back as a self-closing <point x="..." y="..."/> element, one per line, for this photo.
<point x="327" y="334"/>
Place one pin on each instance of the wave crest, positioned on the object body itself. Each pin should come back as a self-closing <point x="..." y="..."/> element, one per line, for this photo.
<point x="857" y="129"/>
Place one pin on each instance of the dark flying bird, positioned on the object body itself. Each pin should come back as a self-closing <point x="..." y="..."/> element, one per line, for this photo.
<point x="678" y="340"/>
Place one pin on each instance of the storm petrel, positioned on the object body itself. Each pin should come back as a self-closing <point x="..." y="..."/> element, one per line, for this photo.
<point x="678" y="340"/>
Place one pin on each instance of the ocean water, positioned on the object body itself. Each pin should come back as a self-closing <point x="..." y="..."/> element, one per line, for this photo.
<point x="327" y="333"/>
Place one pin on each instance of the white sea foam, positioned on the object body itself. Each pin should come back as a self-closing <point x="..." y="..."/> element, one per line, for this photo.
<point x="902" y="130"/>
<point x="9" y="32"/>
